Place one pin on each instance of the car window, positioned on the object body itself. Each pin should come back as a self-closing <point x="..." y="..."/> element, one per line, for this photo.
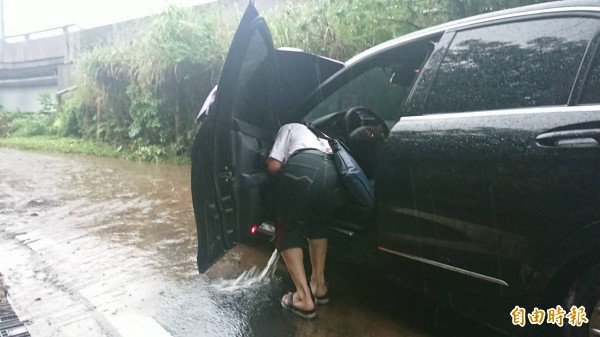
<point x="372" y="89"/>
<point x="591" y="90"/>
<point x="248" y="101"/>
<point x="512" y="65"/>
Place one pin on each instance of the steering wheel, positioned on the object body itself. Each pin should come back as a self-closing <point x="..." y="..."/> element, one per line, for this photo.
<point x="364" y="133"/>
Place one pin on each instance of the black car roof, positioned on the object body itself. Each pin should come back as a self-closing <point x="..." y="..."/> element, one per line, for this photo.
<point x="465" y="21"/>
<point x="541" y="6"/>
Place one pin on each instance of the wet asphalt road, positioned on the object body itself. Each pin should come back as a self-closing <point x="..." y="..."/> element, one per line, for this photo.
<point x="105" y="247"/>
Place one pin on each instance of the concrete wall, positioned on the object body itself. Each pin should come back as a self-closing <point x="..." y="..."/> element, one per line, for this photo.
<point x="36" y="65"/>
<point x="39" y="49"/>
<point x="24" y="99"/>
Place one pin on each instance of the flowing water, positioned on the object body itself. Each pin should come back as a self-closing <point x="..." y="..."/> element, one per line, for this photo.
<point x="251" y="277"/>
<point x="105" y="247"/>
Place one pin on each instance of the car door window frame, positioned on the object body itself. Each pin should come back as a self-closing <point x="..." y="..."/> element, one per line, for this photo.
<point x="590" y="60"/>
<point x="422" y="87"/>
<point x="427" y="76"/>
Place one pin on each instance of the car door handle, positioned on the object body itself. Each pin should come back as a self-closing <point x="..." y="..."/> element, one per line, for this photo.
<point x="570" y="138"/>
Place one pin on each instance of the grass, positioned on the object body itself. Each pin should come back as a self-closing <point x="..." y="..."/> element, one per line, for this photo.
<point x="63" y="145"/>
<point x="78" y="146"/>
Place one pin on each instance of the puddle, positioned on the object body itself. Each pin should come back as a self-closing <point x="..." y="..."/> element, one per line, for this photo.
<point x="97" y="247"/>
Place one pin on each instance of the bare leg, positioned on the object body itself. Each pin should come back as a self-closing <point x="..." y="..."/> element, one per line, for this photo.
<point x="293" y="258"/>
<point x="318" y="253"/>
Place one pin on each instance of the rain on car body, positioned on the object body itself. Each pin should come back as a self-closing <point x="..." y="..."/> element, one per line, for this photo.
<point x="481" y="137"/>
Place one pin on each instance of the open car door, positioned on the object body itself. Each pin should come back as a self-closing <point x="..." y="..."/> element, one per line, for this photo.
<point x="259" y="86"/>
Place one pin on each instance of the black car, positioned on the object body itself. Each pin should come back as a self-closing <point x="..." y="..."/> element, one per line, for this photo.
<point x="481" y="137"/>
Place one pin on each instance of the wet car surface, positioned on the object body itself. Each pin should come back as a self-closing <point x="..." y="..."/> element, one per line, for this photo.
<point x="104" y="247"/>
<point x="480" y="137"/>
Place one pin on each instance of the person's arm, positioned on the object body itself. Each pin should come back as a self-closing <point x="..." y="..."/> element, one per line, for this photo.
<point x="279" y="150"/>
<point x="273" y="165"/>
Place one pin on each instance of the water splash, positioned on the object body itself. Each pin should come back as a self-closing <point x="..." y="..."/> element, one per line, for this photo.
<point x="250" y="277"/>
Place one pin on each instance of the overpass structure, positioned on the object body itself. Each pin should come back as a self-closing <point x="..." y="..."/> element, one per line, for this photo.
<point x="42" y="62"/>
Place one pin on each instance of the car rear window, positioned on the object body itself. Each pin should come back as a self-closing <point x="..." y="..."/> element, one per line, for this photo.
<point x="511" y="65"/>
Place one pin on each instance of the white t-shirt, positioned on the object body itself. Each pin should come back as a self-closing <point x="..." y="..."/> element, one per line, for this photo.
<point x="293" y="137"/>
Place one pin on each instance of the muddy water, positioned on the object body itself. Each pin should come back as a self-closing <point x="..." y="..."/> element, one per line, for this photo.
<point x="105" y="247"/>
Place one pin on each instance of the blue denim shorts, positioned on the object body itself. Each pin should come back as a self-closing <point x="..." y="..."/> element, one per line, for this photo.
<point x="307" y="195"/>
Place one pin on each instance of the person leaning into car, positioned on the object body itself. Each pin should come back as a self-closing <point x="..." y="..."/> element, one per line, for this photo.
<point x="306" y="197"/>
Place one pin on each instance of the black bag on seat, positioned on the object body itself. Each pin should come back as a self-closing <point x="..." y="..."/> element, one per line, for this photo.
<point x="352" y="176"/>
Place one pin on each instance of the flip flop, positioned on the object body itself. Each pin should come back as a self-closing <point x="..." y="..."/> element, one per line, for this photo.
<point x="289" y="305"/>
<point x="321" y="299"/>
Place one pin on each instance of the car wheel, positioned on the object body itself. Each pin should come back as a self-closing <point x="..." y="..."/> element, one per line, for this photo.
<point x="585" y="291"/>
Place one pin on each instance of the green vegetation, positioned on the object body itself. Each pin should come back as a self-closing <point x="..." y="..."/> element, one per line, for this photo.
<point x="341" y="29"/>
<point x="60" y="144"/>
<point x="5" y="120"/>
<point x="87" y="147"/>
<point x="141" y="97"/>
<point x="19" y="124"/>
<point x="144" y="95"/>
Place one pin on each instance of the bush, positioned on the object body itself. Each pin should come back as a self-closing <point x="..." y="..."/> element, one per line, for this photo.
<point x="65" y="123"/>
<point x="47" y="102"/>
<point x="5" y="121"/>
<point x="30" y="124"/>
<point x="147" y="123"/>
<point x="150" y="89"/>
<point x="74" y="118"/>
<point x="143" y="151"/>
